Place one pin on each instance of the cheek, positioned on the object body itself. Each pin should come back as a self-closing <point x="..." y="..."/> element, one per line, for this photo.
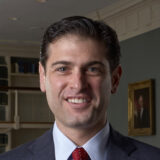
<point x="97" y="88"/>
<point x="101" y="86"/>
<point x="54" y="92"/>
<point x="96" y="85"/>
<point x="56" y="85"/>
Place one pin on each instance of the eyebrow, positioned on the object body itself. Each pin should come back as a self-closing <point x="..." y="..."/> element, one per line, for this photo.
<point x="95" y="63"/>
<point x="85" y="65"/>
<point x="60" y="62"/>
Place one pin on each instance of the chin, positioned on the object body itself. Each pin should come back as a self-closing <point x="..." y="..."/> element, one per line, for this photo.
<point x="81" y="123"/>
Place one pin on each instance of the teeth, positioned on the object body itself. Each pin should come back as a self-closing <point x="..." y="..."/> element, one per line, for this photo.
<point x="77" y="100"/>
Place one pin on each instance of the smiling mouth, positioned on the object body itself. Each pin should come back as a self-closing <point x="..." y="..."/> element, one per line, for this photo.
<point x="77" y="100"/>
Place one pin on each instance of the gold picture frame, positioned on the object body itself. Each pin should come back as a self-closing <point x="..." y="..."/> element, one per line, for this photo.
<point x="140" y="108"/>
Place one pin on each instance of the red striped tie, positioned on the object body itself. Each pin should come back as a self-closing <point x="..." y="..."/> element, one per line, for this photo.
<point x="80" y="154"/>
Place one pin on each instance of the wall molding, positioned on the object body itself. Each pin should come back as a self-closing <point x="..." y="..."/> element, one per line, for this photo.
<point x="22" y="49"/>
<point x="130" y="18"/>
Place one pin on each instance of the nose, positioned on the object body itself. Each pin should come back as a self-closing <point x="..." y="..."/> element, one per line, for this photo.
<point x="78" y="81"/>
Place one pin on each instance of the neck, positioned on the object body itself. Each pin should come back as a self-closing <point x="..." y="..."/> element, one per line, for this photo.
<point x="80" y="135"/>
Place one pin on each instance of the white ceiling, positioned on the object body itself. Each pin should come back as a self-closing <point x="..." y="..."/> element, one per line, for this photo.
<point x="33" y="17"/>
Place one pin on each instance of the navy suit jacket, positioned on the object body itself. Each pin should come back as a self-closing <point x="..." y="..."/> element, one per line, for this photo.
<point x="119" y="148"/>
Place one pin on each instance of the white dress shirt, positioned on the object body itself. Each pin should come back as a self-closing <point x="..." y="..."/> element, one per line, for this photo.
<point x="96" y="147"/>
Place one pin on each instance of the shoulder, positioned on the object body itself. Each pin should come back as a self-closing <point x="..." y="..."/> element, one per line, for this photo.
<point x="145" y="150"/>
<point x="27" y="150"/>
<point x="134" y="148"/>
<point x="19" y="153"/>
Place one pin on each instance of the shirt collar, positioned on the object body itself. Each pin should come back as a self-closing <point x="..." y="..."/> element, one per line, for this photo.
<point x="63" y="145"/>
<point x="95" y="147"/>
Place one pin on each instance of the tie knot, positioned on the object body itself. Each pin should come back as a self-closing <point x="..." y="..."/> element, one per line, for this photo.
<point x="80" y="154"/>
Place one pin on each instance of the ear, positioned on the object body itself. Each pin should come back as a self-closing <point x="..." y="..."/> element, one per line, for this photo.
<point x="42" y="77"/>
<point x="116" y="75"/>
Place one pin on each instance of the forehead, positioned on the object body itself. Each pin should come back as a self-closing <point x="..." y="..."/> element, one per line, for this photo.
<point x="76" y="45"/>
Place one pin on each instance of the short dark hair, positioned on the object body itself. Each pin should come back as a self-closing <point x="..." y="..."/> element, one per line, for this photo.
<point x="83" y="26"/>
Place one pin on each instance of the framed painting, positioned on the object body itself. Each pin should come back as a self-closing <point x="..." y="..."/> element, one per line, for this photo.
<point x="141" y="108"/>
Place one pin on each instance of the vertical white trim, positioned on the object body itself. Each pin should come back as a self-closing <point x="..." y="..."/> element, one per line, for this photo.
<point x="131" y="18"/>
<point x="16" y="116"/>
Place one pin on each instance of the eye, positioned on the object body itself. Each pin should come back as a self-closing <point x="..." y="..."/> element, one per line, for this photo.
<point x="61" y="69"/>
<point x="94" y="70"/>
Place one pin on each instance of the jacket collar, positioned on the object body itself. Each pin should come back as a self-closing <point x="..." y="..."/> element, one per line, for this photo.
<point x="43" y="147"/>
<point x="120" y="147"/>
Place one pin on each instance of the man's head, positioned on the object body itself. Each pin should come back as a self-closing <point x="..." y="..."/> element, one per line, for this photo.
<point x="79" y="70"/>
<point x="141" y="101"/>
<point x="82" y="26"/>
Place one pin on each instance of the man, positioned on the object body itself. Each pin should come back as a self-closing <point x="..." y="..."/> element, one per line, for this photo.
<point x="141" y="115"/>
<point x="79" y="70"/>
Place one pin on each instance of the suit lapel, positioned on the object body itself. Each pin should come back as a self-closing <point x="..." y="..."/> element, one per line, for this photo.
<point x="43" y="147"/>
<point x="119" y="147"/>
